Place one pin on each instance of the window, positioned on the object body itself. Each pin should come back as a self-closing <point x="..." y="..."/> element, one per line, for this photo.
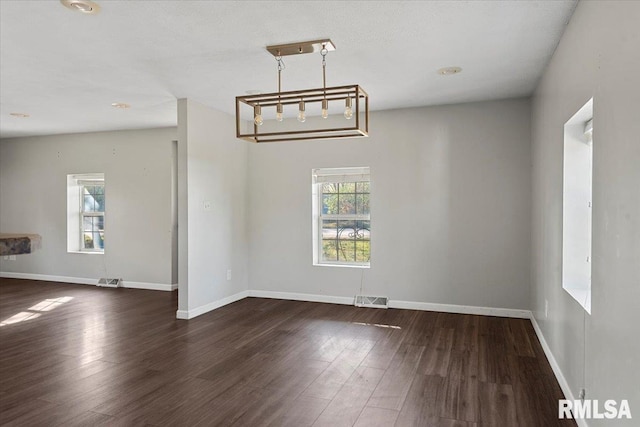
<point x="92" y="215"/>
<point x="341" y="220"/>
<point x="86" y="213"/>
<point x="576" y="206"/>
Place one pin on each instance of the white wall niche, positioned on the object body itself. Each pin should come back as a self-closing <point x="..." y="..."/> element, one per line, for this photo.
<point x="577" y="205"/>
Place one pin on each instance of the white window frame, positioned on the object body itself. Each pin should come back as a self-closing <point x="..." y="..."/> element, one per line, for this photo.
<point x="336" y="175"/>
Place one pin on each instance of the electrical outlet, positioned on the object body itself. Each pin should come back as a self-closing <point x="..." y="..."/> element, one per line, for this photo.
<point x="546" y="308"/>
<point x="228" y="274"/>
<point x="206" y="205"/>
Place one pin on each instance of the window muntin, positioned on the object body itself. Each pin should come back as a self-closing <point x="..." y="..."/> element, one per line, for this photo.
<point x="343" y="218"/>
<point x="92" y="207"/>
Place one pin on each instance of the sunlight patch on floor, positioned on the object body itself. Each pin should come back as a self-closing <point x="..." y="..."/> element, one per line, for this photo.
<point x="35" y="311"/>
<point x="378" y="325"/>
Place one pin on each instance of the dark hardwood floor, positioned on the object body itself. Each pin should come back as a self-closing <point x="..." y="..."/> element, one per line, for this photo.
<point x="77" y="355"/>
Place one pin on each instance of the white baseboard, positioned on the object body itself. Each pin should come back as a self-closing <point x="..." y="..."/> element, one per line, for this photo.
<point x="294" y="296"/>
<point x="86" y="281"/>
<point x="190" y="314"/>
<point x="409" y="305"/>
<point x="564" y="385"/>
<point x="461" y="309"/>
<point x="149" y="286"/>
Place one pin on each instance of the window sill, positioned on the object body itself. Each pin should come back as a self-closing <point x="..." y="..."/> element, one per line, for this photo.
<point x="582" y="297"/>
<point x="86" y="252"/>
<point x="341" y="265"/>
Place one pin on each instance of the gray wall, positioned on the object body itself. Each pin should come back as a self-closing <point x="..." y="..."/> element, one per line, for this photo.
<point x="450" y="208"/>
<point x="137" y="167"/>
<point x="212" y="169"/>
<point x="597" y="57"/>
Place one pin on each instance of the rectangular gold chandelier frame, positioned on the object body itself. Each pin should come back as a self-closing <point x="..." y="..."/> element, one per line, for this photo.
<point x="309" y="96"/>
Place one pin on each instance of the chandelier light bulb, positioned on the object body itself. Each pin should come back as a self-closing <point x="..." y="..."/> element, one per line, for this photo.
<point x="348" y="112"/>
<point x="301" y="115"/>
<point x="257" y="112"/>
<point x="279" y="112"/>
<point x="325" y="108"/>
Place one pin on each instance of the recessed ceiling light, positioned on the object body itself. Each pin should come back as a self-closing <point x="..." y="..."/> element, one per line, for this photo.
<point x="20" y="115"/>
<point x="83" y="6"/>
<point x="449" y="71"/>
<point x="120" y="105"/>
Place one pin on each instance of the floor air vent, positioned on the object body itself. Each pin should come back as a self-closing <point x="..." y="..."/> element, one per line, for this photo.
<point x="369" y="301"/>
<point x="109" y="283"/>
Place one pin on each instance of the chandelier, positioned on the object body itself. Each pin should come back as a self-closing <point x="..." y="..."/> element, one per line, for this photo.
<point x="343" y="110"/>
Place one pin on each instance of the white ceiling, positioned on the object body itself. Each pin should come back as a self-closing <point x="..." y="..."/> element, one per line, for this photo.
<point x="65" y="68"/>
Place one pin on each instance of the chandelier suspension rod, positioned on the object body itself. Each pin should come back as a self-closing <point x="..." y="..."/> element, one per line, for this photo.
<point x="279" y="109"/>
<point x="325" y="102"/>
<point x="279" y="59"/>
<point x="324" y="68"/>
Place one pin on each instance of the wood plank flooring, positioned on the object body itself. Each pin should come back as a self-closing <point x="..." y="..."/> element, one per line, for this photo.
<point x="77" y="355"/>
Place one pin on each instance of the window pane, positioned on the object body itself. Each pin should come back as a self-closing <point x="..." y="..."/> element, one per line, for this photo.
<point x="347" y="204"/>
<point x="99" y="203"/>
<point x="362" y="187"/>
<point x="364" y="230"/>
<point x="93" y="198"/>
<point x="347" y="187"/>
<point x="347" y="250"/>
<point x="329" y="229"/>
<point x="363" y="249"/>
<point x="88" y="241"/>
<point x="329" y="252"/>
<point x="88" y="203"/>
<point x="329" y="187"/>
<point x="362" y="204"/>
<point x="98" y="240"/>
<point x="329" y="203"/>
<point x="94" y="189"/>
<point x="346" y="229"/>
<point x="87" y="223"/>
